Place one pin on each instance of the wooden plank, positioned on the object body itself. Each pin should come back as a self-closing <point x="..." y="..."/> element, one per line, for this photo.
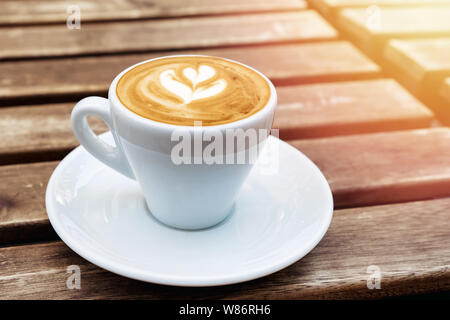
<point x="407" y="242"/>
<point x="40" y="133"/>
<point x="22" y="206"/>
<point x="372" y="33"/>
<point x="420" y="61"/>
<point x="43" y="132"/>
<point x="422" y="66"/>
<point x="114" y="37"/>
<point x="330" y="8"/>
<point x="283" y="64"/>
<point x="445" y="91"/>
<point x="321" y="110"/>
<point x="392" y="167"/>
<point x="50" y="11"/>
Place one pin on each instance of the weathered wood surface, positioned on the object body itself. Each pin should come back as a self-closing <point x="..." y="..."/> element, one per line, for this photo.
<point x="22" y="203"/>
<point x="71" y="78"/>
<point x="421" y="63"/>
<point x="14" y="12"/>
<point x="372" y="30"/>
<point x="407" y="242"/>
<point x="38" y="133"/>
<point x="383" y="167"/>
<point x="332" y="109"/>
<point x="445" y="91"/>
<point x="43" y="132"/>
<point x="330" y="8"/>
<point x="115" y="37"/>
<point x="361" y="169"/>
<point x="422" y="66"/>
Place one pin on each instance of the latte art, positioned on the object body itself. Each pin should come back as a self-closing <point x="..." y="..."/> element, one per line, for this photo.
<point x="188" y="93"/>
<point x="181" y="90"/>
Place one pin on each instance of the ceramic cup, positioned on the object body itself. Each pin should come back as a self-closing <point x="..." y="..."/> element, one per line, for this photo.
<point x="186" y="196"/>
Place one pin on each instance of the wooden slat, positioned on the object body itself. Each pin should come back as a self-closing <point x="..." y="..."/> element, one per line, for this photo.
<point x="407" y="242"/>
<point x="330" y="8"/>
<point x="283" y="64"/>
<point x="22" y="205"/>
<point x="420" y="61"/>
<point x="43" y="132"/>
<point x="383" y="167"/>
<point x="114" y="37"/>
<point x="394" y="23"/>
<point x="390" y="167"/>
<point x="332" y="109"/>
<point x="422" y="65"/>
<point x="38" y="133"/>
<point x="51" y="11"/>
<point x="445" y="91"/>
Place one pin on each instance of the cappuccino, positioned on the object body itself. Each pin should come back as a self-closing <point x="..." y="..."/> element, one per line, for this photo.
<point x="183" y="89"/>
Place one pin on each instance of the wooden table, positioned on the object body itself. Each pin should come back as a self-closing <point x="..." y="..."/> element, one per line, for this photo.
<point x="367" y="104"/>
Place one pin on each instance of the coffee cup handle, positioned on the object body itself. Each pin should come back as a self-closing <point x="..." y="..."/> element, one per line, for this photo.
<point x="114" y="157"/>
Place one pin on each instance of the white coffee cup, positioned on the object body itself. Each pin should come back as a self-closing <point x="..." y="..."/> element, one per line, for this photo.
<point x="186" y="196"/>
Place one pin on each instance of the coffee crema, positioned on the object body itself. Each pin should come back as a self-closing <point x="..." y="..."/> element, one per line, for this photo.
<point x="185" y="89"/>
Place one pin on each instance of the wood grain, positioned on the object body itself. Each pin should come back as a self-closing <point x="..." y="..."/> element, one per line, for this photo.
<point x="393" y="23"/>
<point x="420" y="61"/>
<point x="38" y="133"/>
<point x="137" y="36"/>
<point x="408" y="242"/>
<point x="22" y="206"/>
<point x="422" y="66"/>
<point x="391" y="167"/>
<point x="383" y="167"/>
<point x="13" y="12"/>
<point x="445" y="91"/>
<point x="71" y="78"/>
<point x="321" y="110"/>
<point x="44" y="132"/>
<point x="330" y="8"/>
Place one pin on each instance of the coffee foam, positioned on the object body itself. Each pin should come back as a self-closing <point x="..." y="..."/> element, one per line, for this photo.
<point x="181" y="90"/>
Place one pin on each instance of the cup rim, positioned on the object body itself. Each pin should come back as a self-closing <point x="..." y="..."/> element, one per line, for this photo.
<point x="246" y="122"/>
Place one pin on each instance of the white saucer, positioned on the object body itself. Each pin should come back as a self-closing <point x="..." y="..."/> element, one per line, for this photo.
<point x="278" y="218"/>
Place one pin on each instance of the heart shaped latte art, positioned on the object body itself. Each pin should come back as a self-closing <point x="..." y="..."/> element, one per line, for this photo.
<point x="196" y="77"/>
